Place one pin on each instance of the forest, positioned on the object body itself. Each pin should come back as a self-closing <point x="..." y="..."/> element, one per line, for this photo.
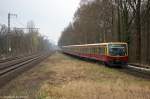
<point x="16" y="42"/>
<point x="98" y="21"/>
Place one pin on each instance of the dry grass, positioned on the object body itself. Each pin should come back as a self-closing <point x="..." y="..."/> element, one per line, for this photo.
<point x="93" y="90"/>
<point x="63" y="77"/>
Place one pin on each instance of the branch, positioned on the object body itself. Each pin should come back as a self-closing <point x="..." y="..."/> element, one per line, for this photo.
<point x="132" y="6"/>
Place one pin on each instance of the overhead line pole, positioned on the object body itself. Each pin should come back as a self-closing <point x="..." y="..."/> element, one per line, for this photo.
<point x="9" y="17"/>
<point x="8" y="46"/>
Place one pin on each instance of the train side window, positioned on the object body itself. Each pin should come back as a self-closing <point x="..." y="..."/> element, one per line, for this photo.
<point x="97" y="50"/>
<point x="87" y="50"/>
<point x="90" y="50"/>
<point x="79" y="50"/>
<point x="93" y="50"/>
<point x="84" y="50"/>
<point x="102" y="50"/>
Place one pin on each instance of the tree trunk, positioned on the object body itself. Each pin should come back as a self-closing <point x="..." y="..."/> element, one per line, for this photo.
<point x="119" y="33"/>
<point x="138" y="32"/>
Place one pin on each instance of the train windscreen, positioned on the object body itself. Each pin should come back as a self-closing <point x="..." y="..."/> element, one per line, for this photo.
<point x="117" y="49"/>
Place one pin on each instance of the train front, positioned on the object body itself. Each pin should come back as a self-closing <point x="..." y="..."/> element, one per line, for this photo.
<point x="117" y="54"/>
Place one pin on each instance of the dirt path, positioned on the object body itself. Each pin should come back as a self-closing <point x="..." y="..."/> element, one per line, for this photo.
<point x="64" y="77"/>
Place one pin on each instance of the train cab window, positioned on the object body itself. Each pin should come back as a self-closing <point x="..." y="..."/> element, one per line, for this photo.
<point x="117" y="49"/>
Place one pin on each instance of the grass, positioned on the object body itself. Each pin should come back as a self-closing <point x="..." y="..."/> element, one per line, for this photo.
<point x="64" y="77"/>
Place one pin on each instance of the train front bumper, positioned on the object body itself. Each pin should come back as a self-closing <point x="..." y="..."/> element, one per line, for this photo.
<point x="116" y="63"/>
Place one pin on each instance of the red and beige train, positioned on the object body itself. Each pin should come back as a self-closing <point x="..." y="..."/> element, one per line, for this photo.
<point x="112" y="53"/>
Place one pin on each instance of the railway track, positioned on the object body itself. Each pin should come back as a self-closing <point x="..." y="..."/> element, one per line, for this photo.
<point x="137" y="71"/>
<point x="13" y="58"/>
<point x="11" y="69"/>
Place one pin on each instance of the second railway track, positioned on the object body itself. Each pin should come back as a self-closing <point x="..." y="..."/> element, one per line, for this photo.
<point x="13" y="58"/>
<point x="11" y="69"/>
<point x="137" y="71"/>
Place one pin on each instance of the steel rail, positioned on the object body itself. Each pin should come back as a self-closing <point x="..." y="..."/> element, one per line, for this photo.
<point x="137" y="71"/>
<point x="11" y="71"/>
<point x="14" y="62"/>
<point x="4" y="71"/>
<point x="14" y="58"/>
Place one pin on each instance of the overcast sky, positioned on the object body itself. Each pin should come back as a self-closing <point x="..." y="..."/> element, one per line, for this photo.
<point x="51" y="16"/>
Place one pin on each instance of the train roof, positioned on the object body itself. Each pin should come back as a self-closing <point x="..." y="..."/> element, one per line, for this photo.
<point x="95" y="44"/>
